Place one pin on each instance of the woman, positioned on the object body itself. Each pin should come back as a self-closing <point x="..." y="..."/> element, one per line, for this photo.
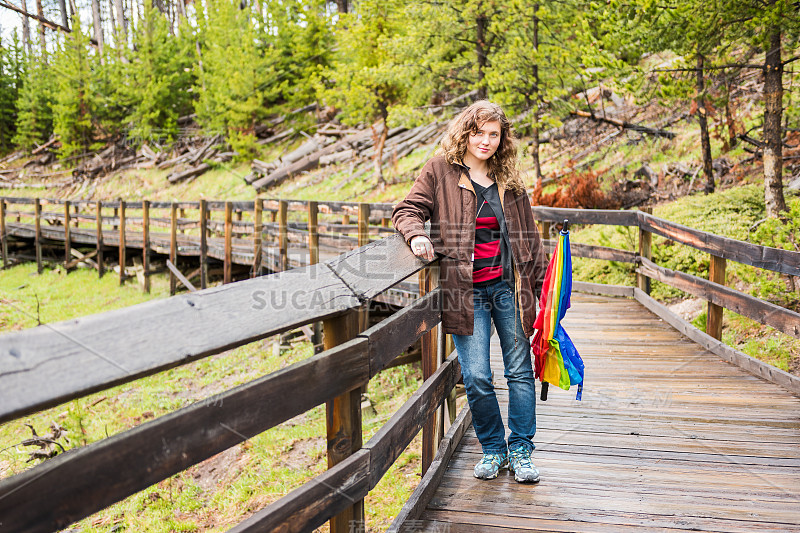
<point x="492" y="265"/>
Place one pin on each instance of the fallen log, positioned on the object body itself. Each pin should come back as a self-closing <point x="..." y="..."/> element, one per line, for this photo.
<point x="310" y="161"/>
<point x="626" y="125"/>
<point x="175" y="177"/>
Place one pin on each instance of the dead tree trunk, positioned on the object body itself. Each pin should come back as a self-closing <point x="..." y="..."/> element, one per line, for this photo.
<point x="98" y="28"/>
<point x="537" y="165"/>
<point x="705" y="141"/>
<point x="380" y="141"/>
<point x="62" y="6"/>
<point x="773" y="152"/>
<point x="122" y="26"/>
<point x="26" y="30"/>
<point x="480" y="51"/>
<point x="42" y="39"/>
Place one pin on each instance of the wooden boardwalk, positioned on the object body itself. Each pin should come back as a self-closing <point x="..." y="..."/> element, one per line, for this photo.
<point x="668" y="437"/>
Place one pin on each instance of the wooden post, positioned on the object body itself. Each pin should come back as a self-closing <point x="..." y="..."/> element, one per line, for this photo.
<point x="182" y="215"/>
<point x="343" y="419"/>
<point x="203" y="244"/>
<point x="3" y="235"/>
<point x="313" y="233"/>
<point x="313" y="259"/>
<point x="77" y="211"/>
<point x="146" y="244"/>
<point x="67" y="236"/>
<point x="122" y="243"/>
<point x="283" y="235"/>
<point x="385" y="222"/>
<point x="428" y="280"/>
<point x="363" y="224"/>
<point x="716" y="273"/>
<point x="99" y="238"/>
<point x="345" y="219"/>
<point x="258" y="237"/>
<point x="37" y="241"/>
<point x="645" y="245"/>
<point x="173" y="246"/>
<point x="227" y="262"/>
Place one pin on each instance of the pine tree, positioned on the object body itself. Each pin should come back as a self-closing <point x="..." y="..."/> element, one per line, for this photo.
<point x="365" y="80"/>
<point x="11" y="78"/>
<point x="34" y="105"/>
<point x="74" y="102"/>
<point x="157" y="79"/>
<point x="231" y="80"/>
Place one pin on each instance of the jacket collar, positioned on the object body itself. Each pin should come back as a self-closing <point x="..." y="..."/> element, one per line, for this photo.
<point x="465" y="183"/>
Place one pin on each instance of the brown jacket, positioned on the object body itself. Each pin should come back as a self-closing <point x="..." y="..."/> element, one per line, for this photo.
<point x="443" y="194"/>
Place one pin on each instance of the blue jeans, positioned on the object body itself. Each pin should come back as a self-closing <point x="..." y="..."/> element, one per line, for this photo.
<point x="496" y="302"/>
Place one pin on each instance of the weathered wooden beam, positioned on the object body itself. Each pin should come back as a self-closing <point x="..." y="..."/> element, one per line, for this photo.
<point x="88" y="479"/>
<point x="3" y="234"/>
<point x="173" y="246"/>
<point x="122" y="244"/>
<point x="67" y="239"/>
<point x="99" y="238"/>
<point x="772" y="315"/>
<point x="774" y="259"/>
<point x="586" y="216"/>
<point x="37" y="241"/>
<point x="203" y="244"/>
<point x="228" y="261"/>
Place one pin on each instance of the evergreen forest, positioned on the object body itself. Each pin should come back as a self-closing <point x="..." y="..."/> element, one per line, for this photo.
<point x="86" y="73"/>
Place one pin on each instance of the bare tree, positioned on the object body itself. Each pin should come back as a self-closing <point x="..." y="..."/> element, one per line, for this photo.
<point x="98" y="28"/>
<point x="26" y="30"/>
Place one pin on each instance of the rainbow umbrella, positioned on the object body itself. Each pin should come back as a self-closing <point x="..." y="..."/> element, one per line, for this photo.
<point x="557" y="361"/>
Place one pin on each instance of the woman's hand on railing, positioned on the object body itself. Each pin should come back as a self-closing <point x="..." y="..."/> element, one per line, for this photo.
<point x="422" y="247"/>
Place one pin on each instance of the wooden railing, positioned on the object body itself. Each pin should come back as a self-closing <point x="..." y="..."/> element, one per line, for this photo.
<point x="54" y="363"/>
<point x="713" y="290"/>
<point x="259" y="233"/>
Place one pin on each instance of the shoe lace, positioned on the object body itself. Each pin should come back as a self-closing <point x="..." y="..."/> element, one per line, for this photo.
<point x="521" y="458"/>
<point x="489" y="458"/>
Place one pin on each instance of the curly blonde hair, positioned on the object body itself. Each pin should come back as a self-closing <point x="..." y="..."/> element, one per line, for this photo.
<point x="503" y="163"/>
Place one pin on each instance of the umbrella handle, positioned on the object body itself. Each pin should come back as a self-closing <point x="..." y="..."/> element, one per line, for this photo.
<point x="565" y="226"/>
<point x="545" y="386"/>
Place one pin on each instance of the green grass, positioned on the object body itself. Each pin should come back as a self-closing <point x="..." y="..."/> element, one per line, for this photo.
<point x="245" y="478"/>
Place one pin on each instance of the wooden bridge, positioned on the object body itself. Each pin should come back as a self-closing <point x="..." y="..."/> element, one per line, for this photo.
<point x="676" y="430"/>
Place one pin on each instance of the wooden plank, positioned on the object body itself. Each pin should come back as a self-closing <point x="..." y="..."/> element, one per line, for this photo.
<point x="754" y="366"/>
<point x="782" y="319"/>
<point x="310" y="505"/>
<point x="394" y="436"/>
<point x="764" y="257"/>
<point x="90" y="478"/>
<point x="586" y="216"/>
<point x="43" y="366"/>
<point x="716" y="274"/>
<point x="419" y="499"/>
<point x="372" y="269"/>
<point x="400" y="331"/>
